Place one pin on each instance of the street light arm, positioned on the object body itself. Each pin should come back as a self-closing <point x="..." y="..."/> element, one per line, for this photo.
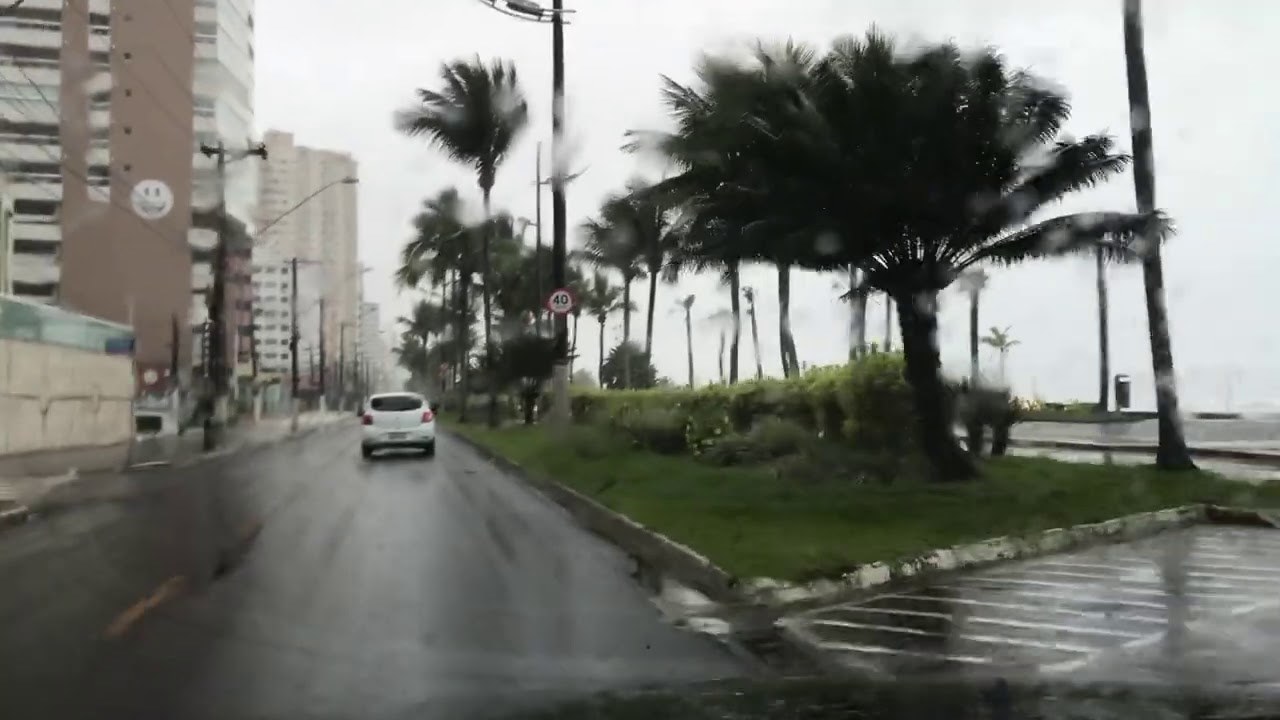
<point x="305" y="200"/>
<point x="528" y="11"/>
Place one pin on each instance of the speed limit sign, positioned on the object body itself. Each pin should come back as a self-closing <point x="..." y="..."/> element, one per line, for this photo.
<point x="560" y="301"/>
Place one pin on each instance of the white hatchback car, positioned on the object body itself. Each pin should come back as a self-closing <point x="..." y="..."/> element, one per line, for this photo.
<point x="393" y="421"/>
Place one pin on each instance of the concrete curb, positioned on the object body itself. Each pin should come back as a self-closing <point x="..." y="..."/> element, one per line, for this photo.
<point x="1220" y="453"/>
<point x="874" y="576"/>
<point x="651" y="548"/>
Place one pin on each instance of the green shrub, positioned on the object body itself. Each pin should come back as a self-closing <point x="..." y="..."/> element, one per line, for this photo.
<point x="879" y="412"/>
<point x="727" y="450"/>
<point x="779" y="437"/>
<point x="865" y="405"/>
<point x="657" y="429"/>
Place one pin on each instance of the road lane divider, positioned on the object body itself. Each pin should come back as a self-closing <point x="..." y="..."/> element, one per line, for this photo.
<point x="131" y="615"/>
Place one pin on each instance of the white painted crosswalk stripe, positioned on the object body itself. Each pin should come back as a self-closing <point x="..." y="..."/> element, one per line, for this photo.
<point x="1059" y="613"/>
<point x="1003" y="622"/>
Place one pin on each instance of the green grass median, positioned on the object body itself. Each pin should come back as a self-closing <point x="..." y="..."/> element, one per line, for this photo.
<point x="755" y="523"/>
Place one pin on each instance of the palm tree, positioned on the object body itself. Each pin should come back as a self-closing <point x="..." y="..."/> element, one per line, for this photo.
<point x="608" y="245"/>
<point x="475" y="120"/>
<point x="1172" y="452"/>
<point x="878" y="157"/>
<point x="443" y="245"/>
<point x="1003" y="343"/>
<point x="600" y="299"/>
<point x="647" y="221"/>
<point x="972" y="282"/>
<point x="425" y="321"/>
<point x="750" y="294"/>
<point x="687" y="304"/>
<point x="578" y="284"/>
<point x="721" y="320"/>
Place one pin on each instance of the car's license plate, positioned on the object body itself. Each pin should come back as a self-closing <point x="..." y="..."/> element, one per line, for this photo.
<point x="396" y="436"/>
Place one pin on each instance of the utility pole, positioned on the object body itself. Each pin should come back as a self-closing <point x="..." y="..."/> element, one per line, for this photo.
<point x="174" y="348"/>
<point x="293" y="341"/>
<point x="321" y="352"/>
<point x="342" y="351"/>
<point x="218" y="373"/>
<point x="253" y="354"/>
<point x="560" y="373"/>
<point x="356" y="382"/>
<point x="537" y="220"/>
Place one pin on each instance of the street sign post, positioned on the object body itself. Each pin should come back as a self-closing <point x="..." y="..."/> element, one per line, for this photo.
<point x="561" y="301"/>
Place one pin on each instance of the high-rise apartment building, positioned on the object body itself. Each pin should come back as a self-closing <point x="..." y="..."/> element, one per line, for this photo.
<point x="307" y="210"/>
<point x="373" y="352"/>
<point x="104" y="106"/>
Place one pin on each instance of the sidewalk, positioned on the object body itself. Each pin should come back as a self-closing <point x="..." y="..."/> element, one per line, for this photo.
<point x="1254" y="451"/>
<point x="18" y="495"/>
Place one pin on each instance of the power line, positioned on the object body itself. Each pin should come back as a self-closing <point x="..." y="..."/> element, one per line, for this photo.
<point x="105" y="194"/>
<point x="169" y="112"/>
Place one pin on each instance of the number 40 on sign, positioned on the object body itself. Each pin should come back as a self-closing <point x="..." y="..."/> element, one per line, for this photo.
<point x="560" y="301"/>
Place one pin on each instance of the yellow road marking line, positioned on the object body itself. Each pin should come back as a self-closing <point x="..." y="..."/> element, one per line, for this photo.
<point x="134" y="613"/>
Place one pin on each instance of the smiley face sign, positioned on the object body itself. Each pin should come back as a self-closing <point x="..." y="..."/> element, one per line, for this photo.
<point x="151" y="199"/>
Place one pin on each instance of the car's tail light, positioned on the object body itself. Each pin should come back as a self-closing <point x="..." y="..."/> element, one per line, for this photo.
<point x="367" y="419"/>
<point x="428" y="416"/>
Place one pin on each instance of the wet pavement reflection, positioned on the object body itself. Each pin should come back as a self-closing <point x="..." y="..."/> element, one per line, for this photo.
<point x="304" y="582"/>
<point x="1117" y="606"/>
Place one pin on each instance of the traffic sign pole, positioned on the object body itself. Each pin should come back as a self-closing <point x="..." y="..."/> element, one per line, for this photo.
<point x="561" y="301"/>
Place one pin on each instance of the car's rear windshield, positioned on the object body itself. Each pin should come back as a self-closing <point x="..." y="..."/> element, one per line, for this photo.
<point x="395" y="403"/>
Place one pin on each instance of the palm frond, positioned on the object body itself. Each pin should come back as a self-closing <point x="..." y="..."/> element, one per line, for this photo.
<point x="1121" y="237"/>
<point x="474" y="119"/>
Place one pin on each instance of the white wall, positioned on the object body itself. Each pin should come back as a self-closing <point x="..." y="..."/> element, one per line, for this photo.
<point x="54" y="397"/>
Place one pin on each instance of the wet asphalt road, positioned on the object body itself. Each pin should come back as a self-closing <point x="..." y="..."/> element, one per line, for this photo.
<point x="1193" y="606"/>
<point x="302" y="582"/>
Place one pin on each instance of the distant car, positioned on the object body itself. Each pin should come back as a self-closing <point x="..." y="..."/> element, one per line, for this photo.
<point x="394" y="421"/>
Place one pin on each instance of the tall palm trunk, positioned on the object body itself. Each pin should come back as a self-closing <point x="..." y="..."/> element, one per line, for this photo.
<point x="1172" y="453"/>
<point x="688" y="341"/>
<point x="918" y="318"/>
<point x="786" y="342"/>
<point x="626" y="330"/>
<point x="857" y="315"/>
<point x="721" y="355"/>
<point x="600" y="362"/>
<point x="755" y="336"/>
<point x="735" y="307"/>
<point x="573" y="346"/>
<point x="975" y="373"/>
<point x="888" y="324"/>
<point x="1104" y="336"/>
<point x="487" y="279"/>
<point x="463" y="335"/>
<point x="648" y="327"/>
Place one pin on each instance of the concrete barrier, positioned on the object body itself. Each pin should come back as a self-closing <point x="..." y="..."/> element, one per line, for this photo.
<point x="63" y="407"/>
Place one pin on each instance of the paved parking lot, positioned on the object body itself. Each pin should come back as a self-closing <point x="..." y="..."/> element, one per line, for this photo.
<point x="1064" y="613"/>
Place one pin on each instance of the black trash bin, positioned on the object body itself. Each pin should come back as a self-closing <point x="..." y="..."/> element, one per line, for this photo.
<point x="1122" y="392"/>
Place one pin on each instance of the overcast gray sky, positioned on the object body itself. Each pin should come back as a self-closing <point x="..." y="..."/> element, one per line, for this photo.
<point x="333" y="71"/>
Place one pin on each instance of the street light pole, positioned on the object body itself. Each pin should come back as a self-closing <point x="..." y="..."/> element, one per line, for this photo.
<point x="528" y="10"/>
<point x="559" y="249"/>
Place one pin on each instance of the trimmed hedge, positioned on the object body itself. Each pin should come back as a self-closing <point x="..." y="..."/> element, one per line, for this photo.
<point x="865" y="404"/>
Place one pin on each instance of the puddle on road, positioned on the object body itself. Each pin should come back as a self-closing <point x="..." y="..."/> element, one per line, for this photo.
<point x="743" y="630"/>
